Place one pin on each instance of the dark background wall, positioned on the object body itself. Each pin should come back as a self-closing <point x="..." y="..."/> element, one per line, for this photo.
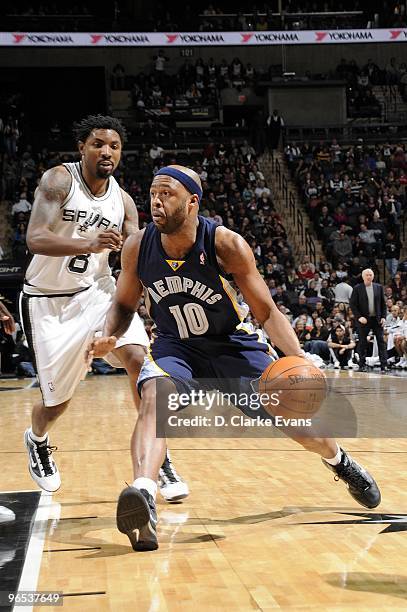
<point x="318" y="58"/>
<point x="309" y="104"/>
<point x="79" y="91"/>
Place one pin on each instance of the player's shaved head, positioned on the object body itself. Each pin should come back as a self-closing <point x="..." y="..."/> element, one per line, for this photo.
<point x="175" y="194"/>
<point x="194" y="175"/>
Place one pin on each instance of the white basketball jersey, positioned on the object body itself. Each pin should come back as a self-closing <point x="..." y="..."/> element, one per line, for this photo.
<point x="82" y="215"/>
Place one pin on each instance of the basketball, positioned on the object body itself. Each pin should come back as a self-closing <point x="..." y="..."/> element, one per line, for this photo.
<point x="295" y="387"/>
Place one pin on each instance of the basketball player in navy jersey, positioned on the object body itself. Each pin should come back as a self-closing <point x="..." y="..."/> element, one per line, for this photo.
<point x="181" y="259"/>
<point x="80" y="215"/>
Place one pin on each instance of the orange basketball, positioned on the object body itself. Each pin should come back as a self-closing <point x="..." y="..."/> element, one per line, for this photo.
<point x="294" y="386"/>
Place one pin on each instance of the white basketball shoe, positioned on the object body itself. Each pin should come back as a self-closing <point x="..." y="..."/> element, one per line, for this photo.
<point x="41" y="465"/>
<point x="171" y="485"/>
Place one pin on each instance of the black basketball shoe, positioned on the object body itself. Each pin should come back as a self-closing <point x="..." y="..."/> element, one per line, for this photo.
<point x="361" y="484"/>
<point x="137" y="517"/>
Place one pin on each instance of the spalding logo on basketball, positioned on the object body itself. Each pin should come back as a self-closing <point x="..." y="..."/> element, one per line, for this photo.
<point x="300" y="387"/>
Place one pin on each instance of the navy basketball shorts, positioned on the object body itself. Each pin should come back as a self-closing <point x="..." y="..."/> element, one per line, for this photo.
<point x="229" y="364"/>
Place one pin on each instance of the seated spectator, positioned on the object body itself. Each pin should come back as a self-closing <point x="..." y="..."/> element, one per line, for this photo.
<point x="325" y="271"/>
<point x="393" y="317"/>
<point x="317" y="346"/>
<point x="305" y="272"/>
<point x="400" y="340"/>
<point x="341" y="345"/>
<point x="342" y="248"/>
<point x="156" y="152"/>
<point x="22" y="206"/>
<point x="301" y="332"/>
<point x="368" y="239"/>
<point x="305" y="317"/>
<point x="327" y="293"/>
<point x="319" y="331"/>
<point x="281" y="296"/>
<point x="396" y="285"/>
<point x="341" y="271"/>
<point x="310" y="291"/>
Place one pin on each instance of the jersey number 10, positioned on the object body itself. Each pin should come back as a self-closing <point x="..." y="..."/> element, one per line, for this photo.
<point x="192" y="321"/>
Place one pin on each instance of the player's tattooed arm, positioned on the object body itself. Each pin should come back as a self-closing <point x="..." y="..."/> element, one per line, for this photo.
<point x="236" y="257"/>
<point x="130" y="225"/>
<point x="50" y="196"/>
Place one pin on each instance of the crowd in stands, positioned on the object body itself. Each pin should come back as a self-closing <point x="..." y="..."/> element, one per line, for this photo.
<point x="362" y="79"/>
<point x="356" y="197"/>
<point x="341" y="197"/>
<point x="220" y="16"/>
<point x="162" y="92"/>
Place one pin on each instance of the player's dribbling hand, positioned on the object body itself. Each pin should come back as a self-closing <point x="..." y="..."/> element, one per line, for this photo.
<point x="99" y="347"/>
<point x="110" y="239"/>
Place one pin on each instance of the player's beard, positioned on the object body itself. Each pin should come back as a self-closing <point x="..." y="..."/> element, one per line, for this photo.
<point x="173" y="223"/>
<point x="104" y="173"/>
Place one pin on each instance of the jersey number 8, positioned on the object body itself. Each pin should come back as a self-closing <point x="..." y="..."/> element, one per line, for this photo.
<point x="79" y="264"/>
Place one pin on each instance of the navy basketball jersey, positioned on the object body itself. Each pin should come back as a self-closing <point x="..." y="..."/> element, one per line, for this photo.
<point x="188" y="298"/>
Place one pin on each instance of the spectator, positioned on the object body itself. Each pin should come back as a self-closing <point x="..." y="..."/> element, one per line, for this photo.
<point x="274" y="126"/>
<point x="320" y="331"/>
<point x="342" y="292"/>
<point x="369" y="307"/>
<point x="301" y="332"/>
<point x="342" y="248"/>
<point x="396" y="285"/>
<point x="23" y="205"/>
<point x="156" y="152"/>
<point x="160" y="61"/>
<point x="341" y="345"/>
<point x="392" y="248"/>
<point x="368" y="239"/>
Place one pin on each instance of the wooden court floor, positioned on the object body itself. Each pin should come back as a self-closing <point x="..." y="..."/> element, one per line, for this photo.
<point x="265" y="527"/>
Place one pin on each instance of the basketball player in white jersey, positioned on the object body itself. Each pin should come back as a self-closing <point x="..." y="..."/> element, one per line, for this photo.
<point x="80" y="214"/>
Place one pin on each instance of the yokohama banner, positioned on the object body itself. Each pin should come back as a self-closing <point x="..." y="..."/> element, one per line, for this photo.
<point x="202" y="39"/>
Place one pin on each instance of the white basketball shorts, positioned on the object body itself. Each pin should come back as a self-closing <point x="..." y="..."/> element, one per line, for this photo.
<point x="58" y="331"/>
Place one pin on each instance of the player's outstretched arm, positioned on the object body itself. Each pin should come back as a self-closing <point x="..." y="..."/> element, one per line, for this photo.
<point x="129" y="289"/>
<point x="126" y="299"/>
<point x="236" y="258"/>
<point x="49" y="198"/>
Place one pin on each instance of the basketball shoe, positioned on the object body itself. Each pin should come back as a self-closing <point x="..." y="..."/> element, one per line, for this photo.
<point x="41" y="465"/>
<point x="137" y="517"/>
<point x="360" y="483"/>
<point x="171" y="485"/>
